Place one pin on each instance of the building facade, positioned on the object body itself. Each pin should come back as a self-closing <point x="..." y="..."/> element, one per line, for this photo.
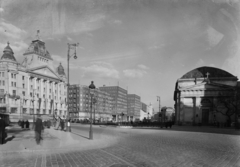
<point x="204" y="95"/>
<point x="80" y="104"/>
<point x="134" y="107"/>
<point x="32" y="87"/>
<point x="119" y="96"/>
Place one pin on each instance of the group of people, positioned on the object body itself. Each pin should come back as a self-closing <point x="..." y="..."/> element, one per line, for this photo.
<point x="23" y="124"/>
<point x="62" y="124"/>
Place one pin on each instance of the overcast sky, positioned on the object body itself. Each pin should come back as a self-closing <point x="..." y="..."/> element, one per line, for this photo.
<point x="145" y="45"/>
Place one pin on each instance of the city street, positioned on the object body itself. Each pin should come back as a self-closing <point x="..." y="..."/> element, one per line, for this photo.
<point x="179" y="146"/>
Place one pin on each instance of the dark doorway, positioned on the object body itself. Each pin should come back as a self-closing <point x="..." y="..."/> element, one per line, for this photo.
<point x="205" y="116"/>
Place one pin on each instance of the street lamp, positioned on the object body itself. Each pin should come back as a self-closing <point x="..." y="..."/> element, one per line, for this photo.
<point x="158" y="99"/>
<point x="70" y="46"/>
<point x="92" y="86"/>
<point x="122" y="114"/>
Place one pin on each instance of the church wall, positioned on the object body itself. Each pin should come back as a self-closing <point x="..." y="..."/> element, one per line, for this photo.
<point x="188" y="110"/>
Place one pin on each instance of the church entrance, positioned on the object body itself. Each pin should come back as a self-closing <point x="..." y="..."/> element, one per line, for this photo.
<point x="205" y="116"/>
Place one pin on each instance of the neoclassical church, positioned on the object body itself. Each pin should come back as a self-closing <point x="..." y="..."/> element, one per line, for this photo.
<point x="33" y="86"/>
<point x="198" y="93"/>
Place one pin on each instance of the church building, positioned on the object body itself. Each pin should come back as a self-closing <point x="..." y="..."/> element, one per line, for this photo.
<point x="33" y="86"/>
<point x="206" y="96"/>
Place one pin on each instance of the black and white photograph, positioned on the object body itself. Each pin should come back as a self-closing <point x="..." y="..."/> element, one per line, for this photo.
<point x="119" y="83"/>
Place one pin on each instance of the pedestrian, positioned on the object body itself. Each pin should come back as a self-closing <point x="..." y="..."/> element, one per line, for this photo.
<point x="19" y="122"/>
<point x="62" y="124"/>
<point x="2" y="131"/>
<point x="69" y="125"/>
<point x="27" y="124"/>
<point x="22" y="124"/>
<point x="38" y="129"/>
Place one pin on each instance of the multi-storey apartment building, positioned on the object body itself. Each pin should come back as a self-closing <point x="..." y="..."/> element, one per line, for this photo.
<point x="80" y="102"/>
<point x="31" y="87"/>
<point x="119" y="96"/>
<point x="134" y="106"/>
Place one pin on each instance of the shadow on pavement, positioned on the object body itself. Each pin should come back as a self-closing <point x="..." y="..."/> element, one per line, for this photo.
<point x="9" y="139"/>
<point x="80" y="135"/>
<point x="228" y="131"/>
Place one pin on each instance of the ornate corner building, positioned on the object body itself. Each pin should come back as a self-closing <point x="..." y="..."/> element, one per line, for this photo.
<point x="33" y="86"/>
<point x="206" y="95"/>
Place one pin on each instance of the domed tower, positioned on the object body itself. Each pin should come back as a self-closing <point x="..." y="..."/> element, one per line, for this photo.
<point x="37" y="55"/>
<point x="60" y="71"/>
<point x="8" y="55"/>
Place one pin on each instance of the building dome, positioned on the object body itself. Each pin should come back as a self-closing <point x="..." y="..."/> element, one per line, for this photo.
<point x="203" y="72"/>
<point x="8" y="53"/>
<point x="60" y="70"/>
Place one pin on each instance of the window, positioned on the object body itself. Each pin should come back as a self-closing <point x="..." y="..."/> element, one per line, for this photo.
<point x="38" y="87"/>
<point x="15" y="76"/>
<point x="15" y="84"/>
<point x="22" y="77"/>
<point x="31" y="87"/>
<point x="2" y="74"/>
<point x="23" y="85"/>
<point x="12" y="75"/>
<point x="49" y="90"/>
<point x="3" y="83"/>
<point x="44" y="90"/>
<point x="0" y="82"/>
<point x="14" y="92"/>
<point x="23" y="92"/>
<point x="31" y="94"/>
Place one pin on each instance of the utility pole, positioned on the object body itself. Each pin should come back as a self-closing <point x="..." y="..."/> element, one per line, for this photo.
<point x="159" y="100"/>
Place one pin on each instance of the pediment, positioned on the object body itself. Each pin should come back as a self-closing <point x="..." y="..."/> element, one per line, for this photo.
<point x="45" y="70"/>
<point x="207" y="86"/>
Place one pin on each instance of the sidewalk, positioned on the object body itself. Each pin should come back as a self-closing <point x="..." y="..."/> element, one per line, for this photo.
<point x="53" y="140"/>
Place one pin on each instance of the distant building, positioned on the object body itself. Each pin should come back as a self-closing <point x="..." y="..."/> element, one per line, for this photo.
<point x="134" y="106"/>
<point x="80" y="103"/>
<point x="144" y="107"/>
<point x="119" y="96"/>
<point x="32" y="87"/>
<point x="200" y="94"/>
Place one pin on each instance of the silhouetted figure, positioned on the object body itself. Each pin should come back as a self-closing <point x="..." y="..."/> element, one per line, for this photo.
<point x="38" y="129"/>
<point x="27" y="124"/>
<point x="62" y="124"/>
<point x="2" y="131"/>
<point x="19" y="122"/>
<point x="22" y="124"/>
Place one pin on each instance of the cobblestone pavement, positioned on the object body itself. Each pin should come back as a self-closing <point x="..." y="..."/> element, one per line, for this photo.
<point x="141" y="148"/>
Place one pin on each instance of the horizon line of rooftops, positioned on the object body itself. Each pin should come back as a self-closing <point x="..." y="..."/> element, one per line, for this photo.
<point x="102" y="87"/>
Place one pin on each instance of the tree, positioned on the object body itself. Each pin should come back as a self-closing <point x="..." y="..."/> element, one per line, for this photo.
<point x="228" y="105"/>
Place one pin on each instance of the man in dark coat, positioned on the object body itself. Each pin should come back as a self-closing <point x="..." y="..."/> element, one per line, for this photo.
<point x="38" y="129"/>
<point x="27" y="124"/>
<point x="22" y="124"/>
<point x="2" y="131"/>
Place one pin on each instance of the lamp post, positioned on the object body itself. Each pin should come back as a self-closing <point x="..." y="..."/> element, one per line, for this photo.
<point x="91" y="86"/>
<point x="122" y="114"/>
<point x="70" y="46"/>
<point x="158" y="99"/>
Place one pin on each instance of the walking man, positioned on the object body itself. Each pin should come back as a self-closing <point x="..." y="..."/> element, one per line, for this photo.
<point x="38" y="129"/>
<point x="2" y="131"/>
